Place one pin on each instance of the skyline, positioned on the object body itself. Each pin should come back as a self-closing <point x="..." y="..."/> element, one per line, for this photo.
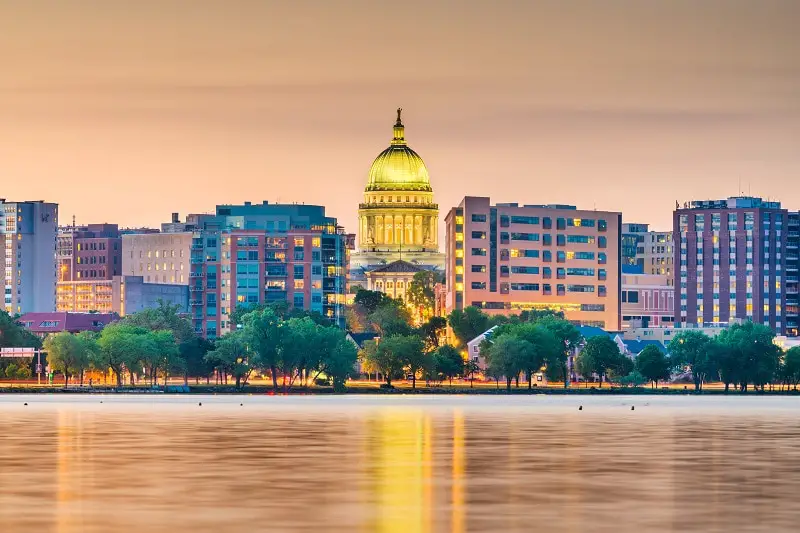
<point x="619" y="107"/>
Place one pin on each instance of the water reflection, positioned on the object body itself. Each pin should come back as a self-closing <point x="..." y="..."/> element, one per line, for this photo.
<point x="396" y="466"/>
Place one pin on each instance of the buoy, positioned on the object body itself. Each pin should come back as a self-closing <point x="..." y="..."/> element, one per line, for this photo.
<point x="580" y="408"/>
<point x="26" y="403"/>
<point x="101" y="401"/>
<point x="632" y="408"/>
<point x="200" y="404"/>
<point x="241" y="404"/>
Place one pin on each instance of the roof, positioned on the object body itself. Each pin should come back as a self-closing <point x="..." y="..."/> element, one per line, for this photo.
<point x="361" y="338"/>
<point x="485" y="335"/>
<point x="398" y="266"/>
<point x="587" y="332"/>
<point x="636" y="346"/>
<point x="57" y="322"/>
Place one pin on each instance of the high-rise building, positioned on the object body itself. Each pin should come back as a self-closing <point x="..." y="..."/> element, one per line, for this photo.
<point x="792" y="309"/>
<point x="253" y="254"/>
<point x="506" y="258"/>
<point x="733" y="262"/>
<point x="632" y="247"/>
<point x="398" y="219"/>
<point x="28" y="240"/>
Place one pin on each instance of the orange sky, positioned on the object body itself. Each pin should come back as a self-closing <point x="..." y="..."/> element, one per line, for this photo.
<point x="124" y="111"/>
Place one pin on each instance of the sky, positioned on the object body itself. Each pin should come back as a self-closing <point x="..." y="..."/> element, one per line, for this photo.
<point x="127" y="111"/>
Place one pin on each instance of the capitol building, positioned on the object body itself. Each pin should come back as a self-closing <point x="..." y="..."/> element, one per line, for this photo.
<point x="398" y="221"/>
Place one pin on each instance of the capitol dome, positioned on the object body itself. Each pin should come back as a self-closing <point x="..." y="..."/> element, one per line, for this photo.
<point x="398" y="168"/>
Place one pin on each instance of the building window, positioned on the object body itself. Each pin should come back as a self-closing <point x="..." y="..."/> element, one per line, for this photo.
<point x="479" y="218"/>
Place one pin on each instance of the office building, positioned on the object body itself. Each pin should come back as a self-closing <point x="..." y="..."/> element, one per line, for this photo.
<point x="91" y="252"/>
<point x="28" y="240"/>
<point x="121" y="295"/>
<point x="157" y="257"/>
<point x="733" y="262"/>
<point x="506" y="258"/>
<point x="792" y="309"/>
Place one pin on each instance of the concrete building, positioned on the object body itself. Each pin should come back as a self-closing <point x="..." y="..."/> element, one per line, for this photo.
<point x="648" y="252"/>
<point x="131" y="294"/>
<point x="397" y="218"/>
<point x="392" y="279"/>
<point x="121" y="295"/>
<point x="733" y="262"/>
<point x="506" y="258"/>
<point x="792" y="309"/>
<point x="253" y="254"/>
<point x="157" y="257"/>
<point x="28" y="240"/>
<point x="91" y="252"/>
<point x="647" y="301"/>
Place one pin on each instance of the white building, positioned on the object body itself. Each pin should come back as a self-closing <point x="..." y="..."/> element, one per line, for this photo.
<point x="28" y="239"/>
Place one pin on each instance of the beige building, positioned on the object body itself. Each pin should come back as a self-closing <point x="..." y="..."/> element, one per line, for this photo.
<point x="506" y="258"/>
<point x="392" y="279"/>
<point x="648" y="300"/>
<point x="121" y="295"/>
<point x="157" y="257"/>
<point x="85" y="296"/>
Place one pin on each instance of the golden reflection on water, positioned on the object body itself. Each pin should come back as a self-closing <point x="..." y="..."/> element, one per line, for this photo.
<point x="467" y="465"/>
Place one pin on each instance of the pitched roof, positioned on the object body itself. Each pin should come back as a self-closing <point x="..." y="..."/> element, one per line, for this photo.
<point x="55" y="322"/>
<point x="636" y="346"/>
<point x="361" y="338"/>
<point x="587" y="332"/>
<point x="398" y="266"/>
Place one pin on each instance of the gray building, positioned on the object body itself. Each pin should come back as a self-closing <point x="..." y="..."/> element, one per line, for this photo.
<point x="132" y="294"/>
<point x="28" y="260"/>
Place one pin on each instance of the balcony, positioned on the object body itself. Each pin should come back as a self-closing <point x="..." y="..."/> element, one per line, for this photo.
<point x="196" y="303"/>
<point x="196" y="288"/>
<point x="196" y="274"/>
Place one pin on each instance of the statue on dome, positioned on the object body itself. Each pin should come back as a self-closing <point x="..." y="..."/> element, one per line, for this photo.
<point x="399" y="110"/>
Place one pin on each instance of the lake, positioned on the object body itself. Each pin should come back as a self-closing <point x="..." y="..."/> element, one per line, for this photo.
<point x="149" y="463"/>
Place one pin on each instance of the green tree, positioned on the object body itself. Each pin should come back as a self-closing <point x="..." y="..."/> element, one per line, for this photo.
<point x="298" y="346"/>
<point x="264" y="332"/>
<point x="567" y="336"/>
<point x="392" y="355"/>
<point x="14" y="335"/>
<point x="791" y="366"/>
<point x="193" y="354"/>
<point x="600" y="356"/>
<point x="66" y="354"/>
<point x="653" y="364"/>
<point x="748" y="355"/>
<point x="370" y="301"/>
<point x="448" y="362"/>
<point x="468" y="323"/>
<point x="507" y="355"/>
<point x="693" y="349"/>
<point x="391" y="318"/>
<point x="119" y="348"/>
<point x="634" y="379"/>
<point x="164" y="317"/>
<point x="337" y="356"/>
<point x="231" y="356"/>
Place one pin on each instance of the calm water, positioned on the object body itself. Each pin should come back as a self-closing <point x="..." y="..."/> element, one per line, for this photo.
<point x="404" y="464"/>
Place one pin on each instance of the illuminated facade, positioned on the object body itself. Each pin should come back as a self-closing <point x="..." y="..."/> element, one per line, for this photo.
<point x="397" y="218"/>
<point x="507" y="258"/>
<point x="393" y="279"/>
<point x="28" y="259"/>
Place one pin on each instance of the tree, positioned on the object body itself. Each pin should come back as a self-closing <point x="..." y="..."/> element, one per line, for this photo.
<point x="231" y="355"/>
<point x="448" y="362"/>
<point x="66" y="354"/>
<point x="507" y="356"/>
<point x="13" y="335"/>
<point x="468" y="323"/>
<point x="600" y="356"/>
<point x="693" y="349"/>
<point x="748" y="355"/>
<point x="791" y="366"/>
<point x="421" y="293"/>
<point x="298" y="344"/>
<point x="119" y="348"/>
<point x="193" y="354"/>
<point x="337" y="356"/>
<point x="370" y="301"/>
<point x="263" y="331"/>
<point x="567" y="337"/>
<point x="432" y="332"/>
<point x="391" y="318"/>
<point x="392" y="355"/>
<point x="164" y="317"/>
<point x="545" y="348"/>
<point x="652" y="364"/>
<point x="634" y="379"/>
